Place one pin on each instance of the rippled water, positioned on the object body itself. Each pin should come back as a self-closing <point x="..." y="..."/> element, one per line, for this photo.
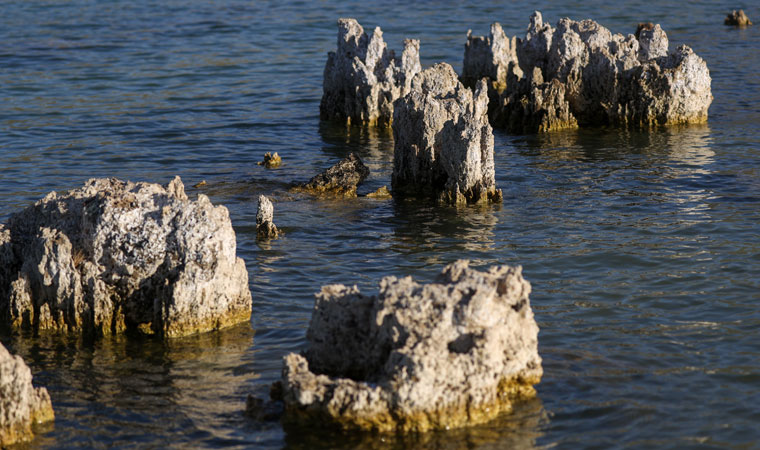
<point x="643" y="248"/>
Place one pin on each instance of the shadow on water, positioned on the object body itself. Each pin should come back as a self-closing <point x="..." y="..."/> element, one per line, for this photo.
<point x="521" y="429"/>
<point x="127" y="388"/>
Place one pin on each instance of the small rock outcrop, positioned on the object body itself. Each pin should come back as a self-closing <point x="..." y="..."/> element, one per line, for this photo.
<point x="114" y="255"/>
<point x="452" y="353"/>
<point x="737" y="19"/>
<point x="270" y="160"/>
<point x="443" y="142"/>
<point x="580" y="74"/>
<point x="21" y="404"/>
<point x="363" y="78"/>
<point x="340" y="179"/>
<point x="265" y="227"/>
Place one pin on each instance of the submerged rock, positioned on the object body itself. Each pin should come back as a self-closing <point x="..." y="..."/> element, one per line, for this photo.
<point x="21" y="404"/>
<point x="737" y="19"/>
<point x="340" y="179"/>
<point x="580" y="74"/>
<point x="114" y="255"/>
<point x="270" y="160"/>
<point x="265" y="227"/>
<point x="363" y="78"/>
<point x="443" y="141"/>
<point x="452" y="353"/>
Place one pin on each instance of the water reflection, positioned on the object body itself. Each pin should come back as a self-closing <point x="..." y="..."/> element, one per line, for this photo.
<point x="419" y="227"/>
<point x="521" y="430"/>
<point x="126" y="387"/>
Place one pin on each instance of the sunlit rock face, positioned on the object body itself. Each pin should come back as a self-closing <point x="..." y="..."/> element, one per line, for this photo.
<point x="591" y="77"/>
<point x="114" y="255"/>
<point x="362" y="78"/>
<point x="265" y="227"/>
<point x="21" y="404"/>
<point x="415" y="357"/>
<point x="443" y="142"/>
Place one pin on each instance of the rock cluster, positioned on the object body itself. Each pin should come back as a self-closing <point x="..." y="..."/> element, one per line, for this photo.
<point x="443" y="142"/>
<point x="417" y="357"/>
<point x="21" y="404"/>
<point x="270" y="160"/>
<point x="362" y="78"/>
<point x="114" y="255"/>
<point x="580" y="74"/>
<point x="265" y="227"/>
<point x="737" y="19"/>
<point x="341" y="179"/>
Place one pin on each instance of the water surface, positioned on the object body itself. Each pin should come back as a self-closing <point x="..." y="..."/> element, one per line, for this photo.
<point x="643" y="248"/>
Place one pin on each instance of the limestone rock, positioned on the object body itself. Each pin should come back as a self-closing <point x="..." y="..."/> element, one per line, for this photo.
<point x="443" y="142"/>
<point x="382" y="193"/>
<point x="114" y="255"/>
<point x="340" y="179"/>
<point x="270" y="160"/>
<point x="737" y="18"/>
<point x="21" y="404"/>
<point x="363" y="78"/>
<point x="452" y="353"/>
<point x="265" y="227"/>
<point x="591" y="77"/>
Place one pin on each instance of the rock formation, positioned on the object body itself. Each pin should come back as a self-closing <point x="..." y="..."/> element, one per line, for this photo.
<point x="114" y="255"/>
<point x="443" y="142"/>
<point x="417" y="357"/>
<point x="21" y="404"/>
<point x="265" y="227"/>
<point x="340" y="179"/>
<point x="737" y="19"/>
<point x="270" y="160"/>
<point x="363" y="78"/>
<point x="589" y="77"/>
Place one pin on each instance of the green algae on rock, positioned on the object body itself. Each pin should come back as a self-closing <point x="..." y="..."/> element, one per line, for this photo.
<point x="117" y="255"/>
<point x="21" y="404"/>
<point x="339" y="180"/>
<point x="452" y="353"/>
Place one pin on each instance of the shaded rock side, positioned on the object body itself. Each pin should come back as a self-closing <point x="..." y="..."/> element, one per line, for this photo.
<point x="737" y="19"/>
<point x="415" y="357"/>
<point x="21" y="404"/>
<point x="362" y="78"/>
<point x="591" y="77"/>
<point x="265" y="227"/>
<point x="114" y="255"/>
<point x="341" y="179"/>
<point x="443" y="142"/>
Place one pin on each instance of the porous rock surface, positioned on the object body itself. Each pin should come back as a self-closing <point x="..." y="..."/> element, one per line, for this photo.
<point x="362" y="78"/>
<point x="114" y="255"/>
<point x="265" y="227"/>
<point x="443" y="143"/>
<point x="591" y="77"/>
<point x="341" y="179"/>
<point x="21" y="404"/>
<point x="415" y="357"/>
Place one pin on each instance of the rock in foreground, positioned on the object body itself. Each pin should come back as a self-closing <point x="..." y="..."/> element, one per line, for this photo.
<point x="21" y="404"/>
<point x="443" y="142"/>
<point x="452" y="353"/>
<point x="341" y="179"/>
<point x="363" y="78"/>
<point x="117" y="255"/>
<point x="580" y="74"/>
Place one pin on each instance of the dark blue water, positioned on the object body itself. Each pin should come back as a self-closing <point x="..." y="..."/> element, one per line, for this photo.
<point x="643" y="248"/>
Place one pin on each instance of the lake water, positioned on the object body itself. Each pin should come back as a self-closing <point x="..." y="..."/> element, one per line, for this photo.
<point x="643" y="248"/>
